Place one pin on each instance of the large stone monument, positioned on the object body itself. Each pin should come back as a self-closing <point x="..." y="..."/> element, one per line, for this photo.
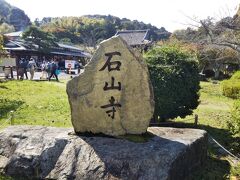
<point x="114" y="95"/>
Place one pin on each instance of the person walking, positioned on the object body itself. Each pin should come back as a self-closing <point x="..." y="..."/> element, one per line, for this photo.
<point x="49" y="67"/>
<point x="44" y="70"/>
<point x="54" y="67"/>
<point x="32" y="65"/>
<point x="23" y="65"/>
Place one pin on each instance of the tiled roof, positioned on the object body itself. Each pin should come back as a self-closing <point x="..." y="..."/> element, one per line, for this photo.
<point x="60" y="50"/>
<point x="14" y="45"/>
<point x="135" y="37"/>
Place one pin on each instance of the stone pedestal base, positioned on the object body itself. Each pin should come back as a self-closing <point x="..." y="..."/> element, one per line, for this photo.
<point x="48" y="152"/>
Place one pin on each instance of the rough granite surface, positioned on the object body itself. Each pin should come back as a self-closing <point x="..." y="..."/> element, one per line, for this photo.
<point x="114" y="94"/>
<point x="56" y="153"/>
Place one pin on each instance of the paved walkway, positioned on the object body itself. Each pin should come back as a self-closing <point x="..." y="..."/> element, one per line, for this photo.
<point x="37" y="75"/>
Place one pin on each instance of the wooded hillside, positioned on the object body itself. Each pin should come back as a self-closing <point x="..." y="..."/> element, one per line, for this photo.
<point x="92" y="29"/>
<point x="88" y="30"/>
<point x="12" y="18"/>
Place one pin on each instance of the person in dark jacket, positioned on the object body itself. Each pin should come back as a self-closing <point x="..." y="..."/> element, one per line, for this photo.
<point x="23" y="65"/>
<point x="54" y="67"/>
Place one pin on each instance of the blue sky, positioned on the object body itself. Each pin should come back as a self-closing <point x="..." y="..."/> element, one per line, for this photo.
<point x="171" y="14"/>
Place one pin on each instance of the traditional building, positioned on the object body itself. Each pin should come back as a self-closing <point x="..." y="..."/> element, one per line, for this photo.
<point x="18" y="49"/>
<point x="139" y="39"/>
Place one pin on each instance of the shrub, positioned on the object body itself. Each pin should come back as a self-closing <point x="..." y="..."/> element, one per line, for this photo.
<point x="234" y="123"/>
<point x="231" y="87"/>
<point x="235" y="170"/>
<point x="175" y="80"/>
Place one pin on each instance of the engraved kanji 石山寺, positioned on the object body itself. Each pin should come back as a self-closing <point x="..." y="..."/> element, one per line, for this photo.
<point x="111" y="105"/>
<point x="112" y="65"/>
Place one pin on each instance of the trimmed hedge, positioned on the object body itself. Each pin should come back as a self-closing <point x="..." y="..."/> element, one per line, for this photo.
<point x="175" y="79"/>
<point x="231" y="87"/>
<point x="234" y="124"/>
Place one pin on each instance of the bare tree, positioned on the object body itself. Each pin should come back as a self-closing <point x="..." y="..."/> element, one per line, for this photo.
<point x="220" y="41"/>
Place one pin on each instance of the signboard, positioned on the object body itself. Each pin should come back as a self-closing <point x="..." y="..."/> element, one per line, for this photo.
<point x="69" y="64"/>
<point x="6" y="62"/>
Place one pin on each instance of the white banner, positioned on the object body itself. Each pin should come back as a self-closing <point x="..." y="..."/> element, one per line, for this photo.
<point x="69" y="64"/>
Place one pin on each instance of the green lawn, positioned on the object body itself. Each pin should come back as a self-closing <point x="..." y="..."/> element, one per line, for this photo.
<point x="214" y="113"/>
<point x="35" y="103"/>
<point x="46" y="103"/>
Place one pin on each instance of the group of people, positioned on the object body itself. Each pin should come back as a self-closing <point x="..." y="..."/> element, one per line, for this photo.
<point x="23" y="67"/>
<point x="49" y="69"/>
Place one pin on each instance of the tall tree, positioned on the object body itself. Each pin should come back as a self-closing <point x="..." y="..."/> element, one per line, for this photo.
<point x="2" y="51"/>
<point x="39" y="39"/>
<point x="91" y="31"/>
<point x="219" y="40"/>
<point x="6" y="28"/>
<point x="1" y="44"/>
